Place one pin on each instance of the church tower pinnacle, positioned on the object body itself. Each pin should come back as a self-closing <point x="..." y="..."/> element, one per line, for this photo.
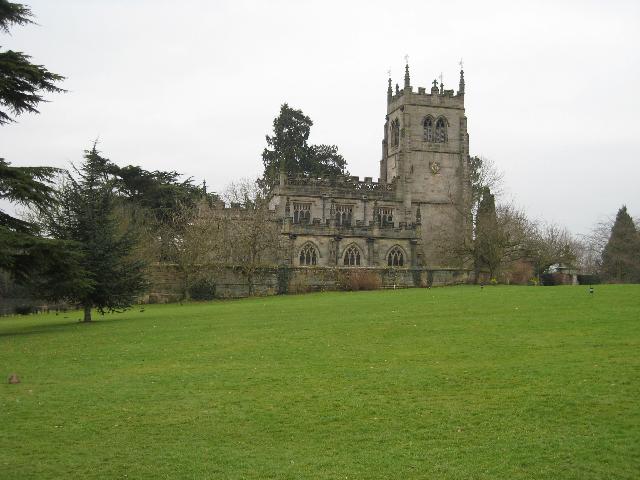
<point x="461" y="87"/>
<point x="407" y="81"/>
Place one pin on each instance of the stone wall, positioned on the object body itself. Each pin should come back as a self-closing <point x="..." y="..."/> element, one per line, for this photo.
<point x="166" y="285"/>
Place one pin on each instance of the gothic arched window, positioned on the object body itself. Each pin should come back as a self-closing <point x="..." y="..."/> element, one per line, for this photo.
<point x="395" y="133"/>
<point x="343" y="214"/>
<point x="441" y="130"/>
<point x="301" y="212"/>
<point x="428" y="129"/>
<point x="395" y="257"/>
<point x="352" y="256"/>
<point x="308" y="255"/>
<point x="383" y="215"/>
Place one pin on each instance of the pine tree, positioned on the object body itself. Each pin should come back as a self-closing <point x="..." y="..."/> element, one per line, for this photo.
<point x="21" y="82"/>
<point x="29" y="258"/>
<point x="621" y="255"/>
<point x="83" y="214"/>
<point x="24" y="186"/>
<point x="46" y="266"/>
<point x="488" y="245"/>
<point x="288" y="150"/>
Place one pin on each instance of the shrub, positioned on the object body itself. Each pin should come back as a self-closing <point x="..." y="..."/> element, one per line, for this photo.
<point x="547" y="280"/>
<point x="520" y="273"/>
<point x="299" y="284"/>
<point x="360" y="280"/>
<point x="493" y="281"/>
<point x="588" y="279"/>
<point x="203" y="289"/>
<point x="24" y="309"/>
<point x="552" y="279"/>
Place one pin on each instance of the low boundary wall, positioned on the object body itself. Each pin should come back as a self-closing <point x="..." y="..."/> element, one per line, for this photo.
<point x="167" y="282"/>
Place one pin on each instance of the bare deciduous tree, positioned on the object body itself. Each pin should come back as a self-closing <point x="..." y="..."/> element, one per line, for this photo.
<point x="461" y="248"/>
<point x="199" y="243"/>
<point x="484" y="173"/>
<point x="514" y="229"/>
<point x="551" y="244"/>
<point x="592" y="245"/>
<point x="255" y="233"/>
<point x="245" y="236"/>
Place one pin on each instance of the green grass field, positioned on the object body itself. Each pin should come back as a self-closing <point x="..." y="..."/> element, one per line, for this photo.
<point x="449" y="383"/>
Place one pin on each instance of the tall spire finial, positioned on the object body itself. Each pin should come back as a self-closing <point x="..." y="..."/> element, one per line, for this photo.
<point x="461" y="87"/>
<point x="407" y="81"/>
<point x="389" y="90"/>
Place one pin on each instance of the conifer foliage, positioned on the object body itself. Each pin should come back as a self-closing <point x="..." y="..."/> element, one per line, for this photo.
<point x="30" y="259"/>
<point x="22" y="83"/>
<point x="288" y="150"/>
<point x="488" y="245"/>
<point x="84" y="215"/>
<point x="49" y="267"/>
<point x="621" y="255"/>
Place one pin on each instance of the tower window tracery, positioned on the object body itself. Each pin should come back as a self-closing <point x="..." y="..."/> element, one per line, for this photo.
<point x="395" y="133"/>
<point x="428" y="129"/>
<point x="441" y="131"/>
<point x="308" y="255"/>
<point x="352" y="257"/>
<point x="395" y="257"/>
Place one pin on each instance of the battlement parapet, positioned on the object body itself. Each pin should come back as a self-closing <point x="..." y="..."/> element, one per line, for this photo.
<point x="448" y="98"/>
<point x="342" y="181"/>
<point x="342" y="186"/>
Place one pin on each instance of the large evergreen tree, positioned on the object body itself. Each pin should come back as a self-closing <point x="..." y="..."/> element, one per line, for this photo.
<point x="46" y="265"/>
<point x="159" y="192"/>
<point x="487" y="244"/>
<point x="288" y="150"/>
<point x="22" y="83"/>
<point x="621" y="255"/>
<point x="83" y="214"/>
<point x="28" y="257"/>
<point x="157" y="204"/>
<point x="24" y="186"/>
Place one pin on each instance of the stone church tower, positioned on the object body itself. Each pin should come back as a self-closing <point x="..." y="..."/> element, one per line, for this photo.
<point x="425" y="151"/>
<point x="407" y="220"/>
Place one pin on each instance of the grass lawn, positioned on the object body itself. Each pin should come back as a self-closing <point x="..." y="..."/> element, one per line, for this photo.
<point x="448" y="383"/>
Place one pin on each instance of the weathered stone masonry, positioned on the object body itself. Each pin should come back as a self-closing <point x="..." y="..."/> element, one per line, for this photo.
<point x="395" y="227"/>
<point x="413" y="210"/>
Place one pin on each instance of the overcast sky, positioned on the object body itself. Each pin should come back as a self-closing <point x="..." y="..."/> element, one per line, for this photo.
<point x="193" y="86"/>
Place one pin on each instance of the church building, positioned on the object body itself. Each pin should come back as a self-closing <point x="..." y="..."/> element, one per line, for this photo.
<point x="413" y="213"/>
